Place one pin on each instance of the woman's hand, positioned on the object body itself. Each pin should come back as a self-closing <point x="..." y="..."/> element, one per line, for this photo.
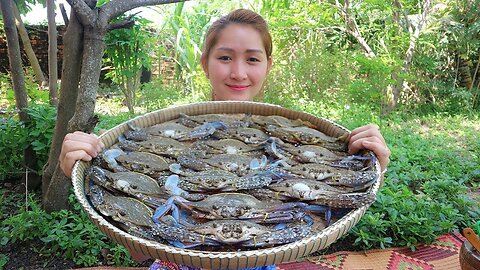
<point x="369" y="137"/>
<point x="78" y="146"/>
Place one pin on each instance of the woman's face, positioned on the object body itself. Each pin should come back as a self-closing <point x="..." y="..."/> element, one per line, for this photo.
<point x="238" y="64"/>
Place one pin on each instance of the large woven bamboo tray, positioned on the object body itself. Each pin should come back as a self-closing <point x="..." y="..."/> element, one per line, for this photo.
<point x="220" y="260"/>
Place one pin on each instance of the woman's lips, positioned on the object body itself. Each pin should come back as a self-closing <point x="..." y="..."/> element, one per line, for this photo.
<point x="238" y="87"/>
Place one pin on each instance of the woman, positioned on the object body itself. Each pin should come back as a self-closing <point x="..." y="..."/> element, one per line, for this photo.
<point x="236" y="58"/>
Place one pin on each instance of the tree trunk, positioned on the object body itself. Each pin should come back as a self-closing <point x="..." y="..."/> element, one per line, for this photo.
<point x="83" y="119"/>
<point x="475" y="73"/>
<point x="16" y="71"/>
<point x="52" y="53"/>
<point x="95" y="22"/>
<point x="72" y="62"/>
<point x="27" y="46"/>
<point x="399" y="85"/>
<point x="464" y="73"/>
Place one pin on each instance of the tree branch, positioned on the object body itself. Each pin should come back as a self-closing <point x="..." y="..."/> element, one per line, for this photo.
<point x="64" y="14"/>
<point x="405" y="15"/>
<point x="127" y="23"/>
<point x="352" y="27"/>
<point x="120" y="25"/>
<point x="114" y="8"/>
<point x="85" y="14"/>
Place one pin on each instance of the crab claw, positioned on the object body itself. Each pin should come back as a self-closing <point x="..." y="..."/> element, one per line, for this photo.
<point x="255" y="164"/>
<point x="272" y="149"/>
<point x="354" y="162"/>
<point x="171" y="185"/>
<point x="134" y="133"/>
<point x="110" y="156"/>
<point x="205" y="130"/>
<point x="163" y="210"/>
<point x="175" y="168"/>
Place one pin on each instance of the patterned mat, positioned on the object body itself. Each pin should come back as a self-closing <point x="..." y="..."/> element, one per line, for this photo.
<point x="441" y="255"/>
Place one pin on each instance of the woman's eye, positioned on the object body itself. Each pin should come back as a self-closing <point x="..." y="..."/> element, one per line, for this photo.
<point x="253" y="59"/>
<point x="225" y="58"/>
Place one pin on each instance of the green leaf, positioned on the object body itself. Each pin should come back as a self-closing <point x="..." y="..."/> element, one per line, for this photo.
<point x="101" y="3"/>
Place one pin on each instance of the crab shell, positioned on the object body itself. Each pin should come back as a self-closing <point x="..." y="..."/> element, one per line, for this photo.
<point x="123" y="209"/>
<point x="229" y="205"/>
<point x="231" y="232"/>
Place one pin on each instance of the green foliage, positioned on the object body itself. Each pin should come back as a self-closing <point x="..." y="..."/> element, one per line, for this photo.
<point x="66" y="234"/>
<point x="13" y="140"/>
<point x="432" y="164"/>
<point x="41" y="127"/>
<point x="101" y="3"/>
<point x="156" y="95"/>
<point x="186" y="31"/>
<point x="128" y="51"/>
<point x="15" y="137"/>
<point x="34" y="94"/>
<point x="3" y="260"/>
<point x="406" y="219"/>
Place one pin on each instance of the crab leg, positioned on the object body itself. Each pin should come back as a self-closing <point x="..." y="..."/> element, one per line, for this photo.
<point x="204" y="130"/>
<point x="353" y="162"/>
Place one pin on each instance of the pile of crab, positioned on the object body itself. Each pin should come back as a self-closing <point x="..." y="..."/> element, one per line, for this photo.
<point x="228" y="182"/>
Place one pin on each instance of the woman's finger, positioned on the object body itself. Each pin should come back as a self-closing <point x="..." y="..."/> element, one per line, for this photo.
<point x="66" y="164"/>
<point x="374" y="144"/>
<point x="370" y="130"/>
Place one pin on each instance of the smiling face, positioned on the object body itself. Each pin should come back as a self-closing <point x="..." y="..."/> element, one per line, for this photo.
<point x="237" y="64"/>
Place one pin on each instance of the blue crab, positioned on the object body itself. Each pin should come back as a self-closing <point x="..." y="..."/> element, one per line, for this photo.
<point x="260" y="121"/>
<point x="192" y="121"/>
<point x="120" y="208"/>
<point x="321" y="193"/>
<point x="216" y="180"/>
<point x="167" y="129"/>
<point x="306" y="135"/>
<point x="138" y="185"/>
<point x="354" y="180"/>
<point x="157" y="145"/>
<point x="142" y="162"/>
<point x="244" y="134"/>
<point x="241" y="233"/>
<point x="235" y="163"/>
<point x="226" y="146"/>
<point x="223" y="234"/>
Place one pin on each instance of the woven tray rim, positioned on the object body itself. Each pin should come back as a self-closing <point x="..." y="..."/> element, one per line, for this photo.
<point x="210" y="259"/>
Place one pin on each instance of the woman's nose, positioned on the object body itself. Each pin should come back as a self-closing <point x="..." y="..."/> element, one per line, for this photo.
<point x="238" y="71"/>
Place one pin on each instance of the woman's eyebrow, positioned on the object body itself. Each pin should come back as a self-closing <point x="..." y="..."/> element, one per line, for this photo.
<point x="248" y="50"/>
